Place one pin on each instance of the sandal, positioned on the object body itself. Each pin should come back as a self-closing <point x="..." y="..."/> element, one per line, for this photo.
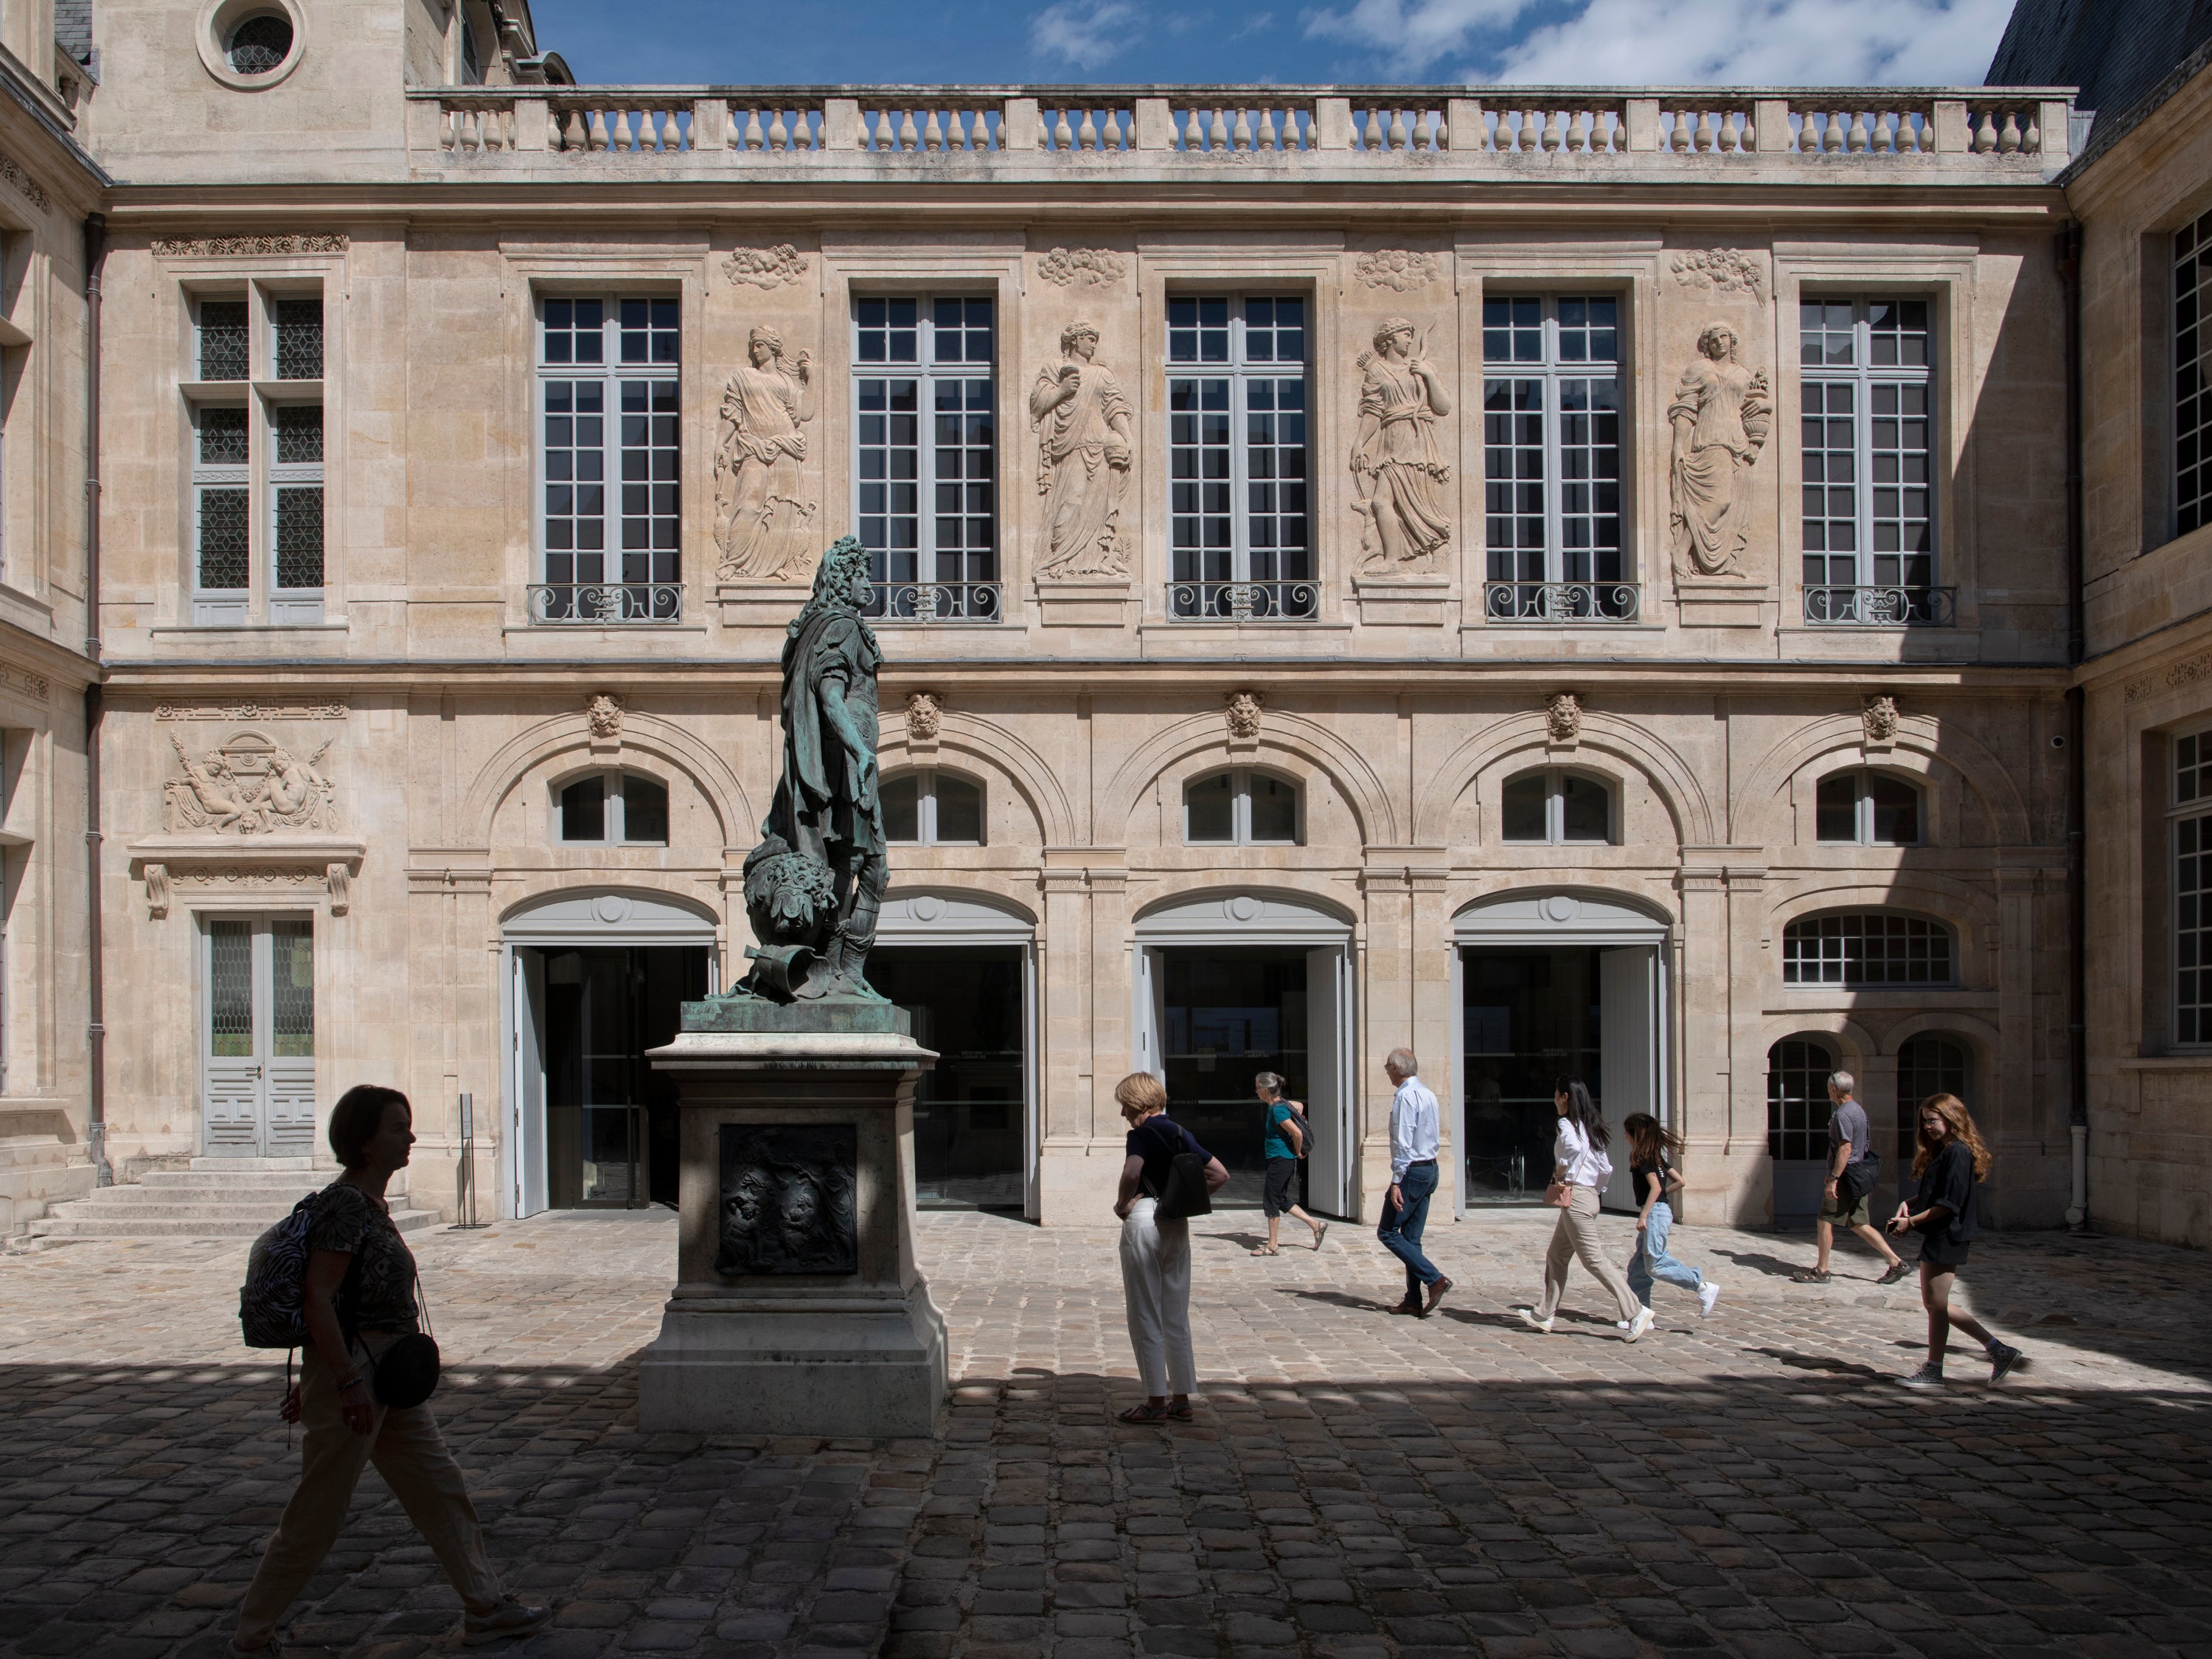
<point x="1267" y="1250"/>
<point x="1319" y="1233"/>
<point x="1810" y="1276"/>
<point x="1145" y="1412"/>
<point x="1182" y="1413"/>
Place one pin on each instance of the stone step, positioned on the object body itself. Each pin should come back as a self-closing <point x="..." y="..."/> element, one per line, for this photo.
<point x="242" y="1164"/>
<point x="61" y="1225"/>
<point x="269" y="1180"/>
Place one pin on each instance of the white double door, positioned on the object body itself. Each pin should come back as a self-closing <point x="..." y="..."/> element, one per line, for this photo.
<point x="257" y="1035"/>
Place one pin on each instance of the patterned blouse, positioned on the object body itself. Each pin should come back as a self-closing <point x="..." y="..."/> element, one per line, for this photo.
<point x="379" y="1292"/>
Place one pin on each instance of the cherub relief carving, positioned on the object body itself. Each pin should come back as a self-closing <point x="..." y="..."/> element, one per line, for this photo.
<point x="761" y="517"/>
<point x="1720" y="415"/>
<point x="249" y="786"/>
<point x="1081" y="418"/>
<point x="1399" y="471"/>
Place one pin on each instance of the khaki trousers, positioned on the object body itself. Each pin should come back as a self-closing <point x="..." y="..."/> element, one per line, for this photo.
<point x="1576" y="1236"/>
<point x="411" y="1456"/>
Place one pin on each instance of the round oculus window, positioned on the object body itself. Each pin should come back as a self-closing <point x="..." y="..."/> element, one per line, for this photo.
<point x="261" y="44"/>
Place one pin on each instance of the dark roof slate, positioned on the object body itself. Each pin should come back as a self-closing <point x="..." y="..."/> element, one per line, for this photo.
<point x="73" y="28"/>
<point x="2116" y="50"/>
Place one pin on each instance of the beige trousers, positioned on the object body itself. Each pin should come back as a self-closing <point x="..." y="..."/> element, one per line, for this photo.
<point x="411" y="1456"/>
<point x="1576" y="1236"/>
<point x="1156" y="1286"/>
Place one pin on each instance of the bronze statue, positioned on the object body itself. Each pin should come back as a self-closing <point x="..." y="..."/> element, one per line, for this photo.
<point x="815" y="883"/>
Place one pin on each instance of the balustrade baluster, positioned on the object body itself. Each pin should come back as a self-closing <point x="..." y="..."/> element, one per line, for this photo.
<point x="2030" y="135"/>
<point x="1240" y="130"/>
<point x="1398" y="136"/>
<point x="910" y="134"/>
<point x="1194" y="135"/>
<point x="598" y="140"/>
<point x="1832" y="141"/>
<point x="1266" y="137"/>
<point x="1857" y="140"/>
<point x="1531" y="126"/>
<point x="1216" y="132"/>
<point x="2009" y="140"/>
<point x="1984" y="131"/>
<point x="932" y="136"/>
<point x="1554" y="134"/>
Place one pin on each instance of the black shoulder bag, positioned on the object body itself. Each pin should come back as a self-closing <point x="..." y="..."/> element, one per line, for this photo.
<point x="1859" y="1179"/>
<point x="1185" y="1194"/>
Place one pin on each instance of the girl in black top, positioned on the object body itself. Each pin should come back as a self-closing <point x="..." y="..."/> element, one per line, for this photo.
<point x="1652" y="1149"/>
<point x="1950" y="1161"/>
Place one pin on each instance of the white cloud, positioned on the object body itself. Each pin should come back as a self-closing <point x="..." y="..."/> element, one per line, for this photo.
<point x="1762" y="43"/>
<point x="1685" y="42"/>
<point x="1083" y="32"/>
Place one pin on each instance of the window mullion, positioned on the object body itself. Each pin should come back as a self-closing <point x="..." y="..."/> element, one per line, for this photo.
<point x="1240" y="460"/>
<point x="1863" y="445"/>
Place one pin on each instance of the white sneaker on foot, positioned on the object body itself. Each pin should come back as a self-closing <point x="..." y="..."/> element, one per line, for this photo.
<point x="1528" y="1318"/>
<point x="1708" y="1293"/>
<point x="1644" y="1322"/>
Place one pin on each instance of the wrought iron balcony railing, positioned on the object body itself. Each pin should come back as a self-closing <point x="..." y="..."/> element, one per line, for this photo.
<point x="1259" y="601"/>
<point x="607" y="605"/>
<point x="937" y="602"/>
<point x="1562" y="602"/>
<point x="1881" y="607"/>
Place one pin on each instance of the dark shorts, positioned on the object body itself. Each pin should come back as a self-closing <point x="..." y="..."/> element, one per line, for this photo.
<point x="1282" y="1179"/>
<point x="1939" y="1252"/>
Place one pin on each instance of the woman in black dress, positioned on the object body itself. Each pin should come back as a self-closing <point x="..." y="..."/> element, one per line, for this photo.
<point x="1951" y="1161"/>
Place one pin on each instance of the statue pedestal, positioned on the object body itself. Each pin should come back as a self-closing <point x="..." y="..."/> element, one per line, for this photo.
<point x="797" y="1309"/>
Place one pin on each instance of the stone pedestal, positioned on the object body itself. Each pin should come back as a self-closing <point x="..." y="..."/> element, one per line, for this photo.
<point x="798" y="1309"/>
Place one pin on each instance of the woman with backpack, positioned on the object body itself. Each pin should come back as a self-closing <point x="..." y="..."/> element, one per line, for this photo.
<point x="1156" y="1249"/>
<point x="1580" y="1168"/>
<point x="358" y="1302"/>
<point x="1285" y="1142"/>
<point x="1950" y="1159"/>
<point x="1653" y="1149"/>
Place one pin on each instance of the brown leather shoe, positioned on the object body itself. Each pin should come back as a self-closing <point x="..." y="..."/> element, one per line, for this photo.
<point x="1435" y="1295"/>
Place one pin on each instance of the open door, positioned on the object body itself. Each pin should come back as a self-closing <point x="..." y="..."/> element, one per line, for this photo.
<point x="1628" y="1002"/>
<point x="528" y="1127"/>
<point x="1329" y="1094"/>
<point x="1148" y="1017"/>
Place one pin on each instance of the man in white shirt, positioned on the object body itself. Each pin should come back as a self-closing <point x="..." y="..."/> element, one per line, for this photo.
<point x="1415" y="1132"/>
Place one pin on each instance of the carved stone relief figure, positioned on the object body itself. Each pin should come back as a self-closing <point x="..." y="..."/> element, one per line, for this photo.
<point x="1563" y="717"/>
<point x="603" y="714"/>
<point x="1720" y="415"/>
<point x="761" y="516"/>
<point x="1398" y="470"/>
<point x="1243" y="714"/>
<point x="249" y="786"/>
<point x="1878" y="714"/>
<point x="1081" y="418"/>
<point x="925" y="716"/>
<point x="788" y="1199"/>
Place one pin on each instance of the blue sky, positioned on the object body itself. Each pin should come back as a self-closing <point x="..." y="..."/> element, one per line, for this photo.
<point x="1540" y="42"/>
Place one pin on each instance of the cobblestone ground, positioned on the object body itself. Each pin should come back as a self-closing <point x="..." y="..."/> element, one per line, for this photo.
<point x="1356" y="1485"/>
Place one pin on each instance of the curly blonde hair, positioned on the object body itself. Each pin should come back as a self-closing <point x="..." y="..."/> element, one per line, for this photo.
<point x="1953" y="1110"/>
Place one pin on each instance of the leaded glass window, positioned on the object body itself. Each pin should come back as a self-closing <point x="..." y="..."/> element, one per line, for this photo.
<point x="1551" y="450"/>
<point x="2192" y="887"/>
<point x="1866" y="414"/>
<point x="222" y="499"/>
<point x="2192" y="386"/>
<point x="1240" y="513"/>
<point x="299" y="344"/>
<point x="225" y="344"/>
<point x="297" y="485"/>
<point x="1856" y="948"/>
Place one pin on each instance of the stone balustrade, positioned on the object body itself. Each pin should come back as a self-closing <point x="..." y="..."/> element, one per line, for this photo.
<point x="1838" y="132"/>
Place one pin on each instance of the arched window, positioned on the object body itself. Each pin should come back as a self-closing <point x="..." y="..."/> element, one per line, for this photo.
<point x="612" y="809"/>
<point x="1797" y="1099"/>
<point x="1866" y="808"/>
<point x="931" y="808"/>
<point x="1241" y="809"/>
<point x="1866" y="947"/>
<point x="1929" y="1064"/>
<point x="1556" y="808"/>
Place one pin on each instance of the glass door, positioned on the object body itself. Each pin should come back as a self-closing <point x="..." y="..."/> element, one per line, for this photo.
<point x="1224" y="1015"/>
<point x="969" y="1003"/>
<point x="258" y="1036"/>
<point x="1530" y="1016"/>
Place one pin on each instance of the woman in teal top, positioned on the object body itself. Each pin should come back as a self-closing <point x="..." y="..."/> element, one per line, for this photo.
<point x="1283" y="1146"/>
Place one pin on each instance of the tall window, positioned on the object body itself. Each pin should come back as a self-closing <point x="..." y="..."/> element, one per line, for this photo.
<point x="1551" y="436"/>
<point x="1797" y="1099"/>
<point x="2193" y="387"/>
<point x="257" y="458"/>
<point x="925" y="441"/>
<point x="2192" y="887"/>
<point x="1866" y="809"/>
<point x="1870" y="523"/>
<point x="1927" y="1064"/>
<point x="1866" y="948"/>
<point x="607" y="388"/>
<point x="1240" y="521"/>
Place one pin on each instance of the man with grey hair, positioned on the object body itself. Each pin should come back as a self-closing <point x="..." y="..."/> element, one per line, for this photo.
<point x="1415" y="1134"/>
<point x="1850" y="1181"/>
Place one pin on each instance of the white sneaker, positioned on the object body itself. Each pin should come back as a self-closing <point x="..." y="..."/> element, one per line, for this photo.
<point x="1708" y="1293"/>
<point x="1644" y="1320"/>
<point x="1528" y="1318"/>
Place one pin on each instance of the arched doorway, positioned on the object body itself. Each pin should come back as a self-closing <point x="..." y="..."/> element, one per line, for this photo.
<point x="1798" y="1112"/>
<point x="1229" y="984"/>
<point x="963" y="965"/>
<point x="1549" y="985"/>
<point x="596" y="977"/>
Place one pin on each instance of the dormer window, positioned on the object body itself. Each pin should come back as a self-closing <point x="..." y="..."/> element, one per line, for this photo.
<point x="612" y="809"/>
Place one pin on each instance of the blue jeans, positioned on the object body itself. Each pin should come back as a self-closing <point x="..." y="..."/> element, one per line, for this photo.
<point x="1651" y="1261"/>
<point x="1401" y="1231"/>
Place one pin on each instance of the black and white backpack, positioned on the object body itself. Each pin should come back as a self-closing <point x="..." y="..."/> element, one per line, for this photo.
<point x="270" y="1303"/>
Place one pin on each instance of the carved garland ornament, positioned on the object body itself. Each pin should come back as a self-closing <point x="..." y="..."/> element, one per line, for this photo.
<point x="766" y="267"/>
<point x="36" y="684"/>
<point x="1093" y="267"/>
<point x="189" y="247"/>
<point x="1242" y="711"/>
<point x="1397" y="269"/>
<point x="2188" y="671"/>
<point x="250" y="786"/>
<point x="1719" y="270"/>
<point x="241" y="714"/>
<point x="23" y="181"/>
<point x="925" y="716"/>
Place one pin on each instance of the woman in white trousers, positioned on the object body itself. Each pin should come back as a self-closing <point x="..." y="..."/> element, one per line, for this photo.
<point x="1581" y="1167"/>
<point x="1156" y="1253"/>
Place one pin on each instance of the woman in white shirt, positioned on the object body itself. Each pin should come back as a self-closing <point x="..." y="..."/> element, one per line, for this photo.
<point x="1581" y="1167"/>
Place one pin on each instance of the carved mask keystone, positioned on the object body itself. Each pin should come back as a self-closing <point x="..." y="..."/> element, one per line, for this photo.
<point x="1242" y="712"/>
<point x="604" y="715"/>
<point x="1563" y="717"/>
<point x="925" y="715"/>
<point x="1878" y="714"/>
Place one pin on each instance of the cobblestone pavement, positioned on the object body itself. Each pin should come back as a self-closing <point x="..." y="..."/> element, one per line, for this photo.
<point x="1754" y="1484"/>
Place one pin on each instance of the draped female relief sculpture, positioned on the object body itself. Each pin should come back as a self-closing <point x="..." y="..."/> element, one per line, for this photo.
<point x="1082" y="422"/>
<point x="1399" y="471"/>
<point x="761" y="516"/>
<point x="1721" y="416"/>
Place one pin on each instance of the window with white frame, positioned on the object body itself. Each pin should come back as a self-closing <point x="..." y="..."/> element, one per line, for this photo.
<point x="2191" y="811"/>
<point x="608" y="388"/>
<point x="1556" y="808"/>
<point x="256" y="410"/>
<point x="1551" y="459"/>
<point x="2192" y="387"/>
<point x="1240" y="519"/>
<point x="1867" y="391"/>
<point x="926" y="452"/>
<point x="930" y="808"/>
<point x="1865" y="808"/>
<point x="1241" y="808"/>
<point x="612" y="809"/>
<point x="1866" y="948"/>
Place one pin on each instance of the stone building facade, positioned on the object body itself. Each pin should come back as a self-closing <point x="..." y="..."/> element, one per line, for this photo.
<point x="1574" y="583"/>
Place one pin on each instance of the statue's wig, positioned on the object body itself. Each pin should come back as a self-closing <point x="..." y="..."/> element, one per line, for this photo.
<point x="845" y="559"/>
